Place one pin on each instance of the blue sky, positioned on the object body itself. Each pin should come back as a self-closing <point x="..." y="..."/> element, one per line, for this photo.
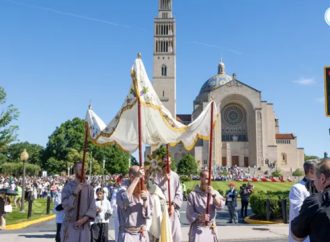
<point x="58" y="55"/>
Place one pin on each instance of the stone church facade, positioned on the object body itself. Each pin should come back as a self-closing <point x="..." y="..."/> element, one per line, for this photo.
<point x="247" y="133"/>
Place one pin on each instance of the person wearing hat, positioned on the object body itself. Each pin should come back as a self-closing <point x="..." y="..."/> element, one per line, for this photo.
<point x="231" y="203"/>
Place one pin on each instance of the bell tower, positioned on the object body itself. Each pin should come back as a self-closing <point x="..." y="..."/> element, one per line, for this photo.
<point x="164" y="70"/>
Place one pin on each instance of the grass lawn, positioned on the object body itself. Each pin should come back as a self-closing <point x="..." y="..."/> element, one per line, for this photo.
<point x="258" y="186"/>
<point x="38" y="211"/>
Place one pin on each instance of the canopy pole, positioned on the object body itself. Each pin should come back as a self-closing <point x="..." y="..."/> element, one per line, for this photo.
<point x="82" y="175"/>
<point x="140" y="138"/>
<point x="168" y="170"/>
<point x="210" y="159"/>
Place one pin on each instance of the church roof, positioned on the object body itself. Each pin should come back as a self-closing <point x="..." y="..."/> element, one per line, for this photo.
<point x="284" y="136"/>
<point x="219" y="80"/>
<point x="184" y="118"/>
<point x="215" y="82"/>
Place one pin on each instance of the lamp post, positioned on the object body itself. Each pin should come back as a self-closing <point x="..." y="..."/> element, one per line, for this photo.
<point x="24" y="158"/>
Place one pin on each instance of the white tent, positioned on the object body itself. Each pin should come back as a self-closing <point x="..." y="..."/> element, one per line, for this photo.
<point x="157" y="124"/>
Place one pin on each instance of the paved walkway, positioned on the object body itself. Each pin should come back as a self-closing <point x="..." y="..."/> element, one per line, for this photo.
<point x="45" y="232"/>
<point x="226" y="233"/>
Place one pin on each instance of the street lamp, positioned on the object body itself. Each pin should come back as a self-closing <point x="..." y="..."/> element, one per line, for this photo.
<point x="24" y="158"/>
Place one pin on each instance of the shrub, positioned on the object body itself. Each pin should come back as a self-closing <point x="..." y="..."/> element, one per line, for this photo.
<point x="187" y="165"/>
<point x="277" y="173"/>
<point x="298" y="172"/>
<point x="258" y="204"/>
<point x="185" y="178"/>
<point x="221" y="192"/>
<point x="16" y="169"/>
<point x="189" y="191"/>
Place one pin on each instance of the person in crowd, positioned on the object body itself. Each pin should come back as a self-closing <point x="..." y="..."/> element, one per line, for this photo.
<point x="161" y="180"/>
<point x="59" y="212"/>
<point x="2" y="212"/>
<point x="134" y="208"/>
<point x="231" y="203"/>
<point x="76" y="226"/>
<point x="314" y="216"/>
<point x="18" y="197"/>
<point x="202" y="224"/>
<point x="184" y="191"/>
<point x="53" y="190"/>
<point x="117" y="187"/>
<point x="299" y="192"/>
<point x="100" y="226"/>
<point x="245" y="192"/>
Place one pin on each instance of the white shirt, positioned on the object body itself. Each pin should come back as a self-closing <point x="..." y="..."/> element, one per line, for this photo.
<point x="105" y="207"/>
<point x="298" y="193"/>
<point x="59" y="214"/>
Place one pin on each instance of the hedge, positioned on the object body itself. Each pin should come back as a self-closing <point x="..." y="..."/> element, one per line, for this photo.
<point x="258" y="204"/>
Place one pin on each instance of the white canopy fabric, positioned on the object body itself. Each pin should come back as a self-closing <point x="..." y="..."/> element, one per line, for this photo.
<point x="157" y="124"/>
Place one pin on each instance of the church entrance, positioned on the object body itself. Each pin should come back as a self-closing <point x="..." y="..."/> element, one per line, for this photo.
<point x="224" y="161"/>
<point x="246" y="161"/>
<point x="235" y="160"/>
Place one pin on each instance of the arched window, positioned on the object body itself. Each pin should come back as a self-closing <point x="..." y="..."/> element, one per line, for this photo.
<point x="234" y="123"/>
<point x="284" y="159"/>
<point x="164" y="70"/>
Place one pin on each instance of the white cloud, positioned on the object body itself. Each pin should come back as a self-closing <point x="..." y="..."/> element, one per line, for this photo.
<point x="305" y="81"/>
<point x="69" y="14"/>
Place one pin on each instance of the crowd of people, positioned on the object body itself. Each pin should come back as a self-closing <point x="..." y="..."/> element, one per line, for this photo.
<point x="141" y="202"/>
<point x="83" y="208"/>
<point x="310" y="204"/>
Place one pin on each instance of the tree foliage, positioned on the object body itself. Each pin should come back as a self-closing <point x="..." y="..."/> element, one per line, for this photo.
<point x="16" y="169"/>
<point x="187" y="165"/>
<point x="161" y="152"/>
<point x="35" y="152"/>
<point x="277" y="173"/>
<point x="7" y="116"/>
<point x="298" y="172"/>
<point x="311" y="157"/>
<point x="65" y="146"/>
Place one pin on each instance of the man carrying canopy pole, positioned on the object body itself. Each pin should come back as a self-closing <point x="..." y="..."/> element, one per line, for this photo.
<point x="171" y="181"/>
<point x="201" y="207"/>
<point x="202" y="224"/>
<point x="78" y="212"/>
<point x="134" y="208"/>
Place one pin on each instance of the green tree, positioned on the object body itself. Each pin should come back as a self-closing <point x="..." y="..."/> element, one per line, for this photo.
<point x="7" y="116"/>
<point x="116" y="160"/>
<point x="277" y="173"/>
<point x="311" y="157"/>
<point x="54" y="166"/>
<point x="65" y="146"/>
<point x="16" y="169"/>
<point x="187" y="165"/>
<point x="161" y="152"/>
<point x="35" y="152"/>
<point x="72" y="157"/>
<point x="298" y="172"/>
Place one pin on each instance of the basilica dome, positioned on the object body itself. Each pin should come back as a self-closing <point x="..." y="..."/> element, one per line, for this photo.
<point x="217" y="80"/>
